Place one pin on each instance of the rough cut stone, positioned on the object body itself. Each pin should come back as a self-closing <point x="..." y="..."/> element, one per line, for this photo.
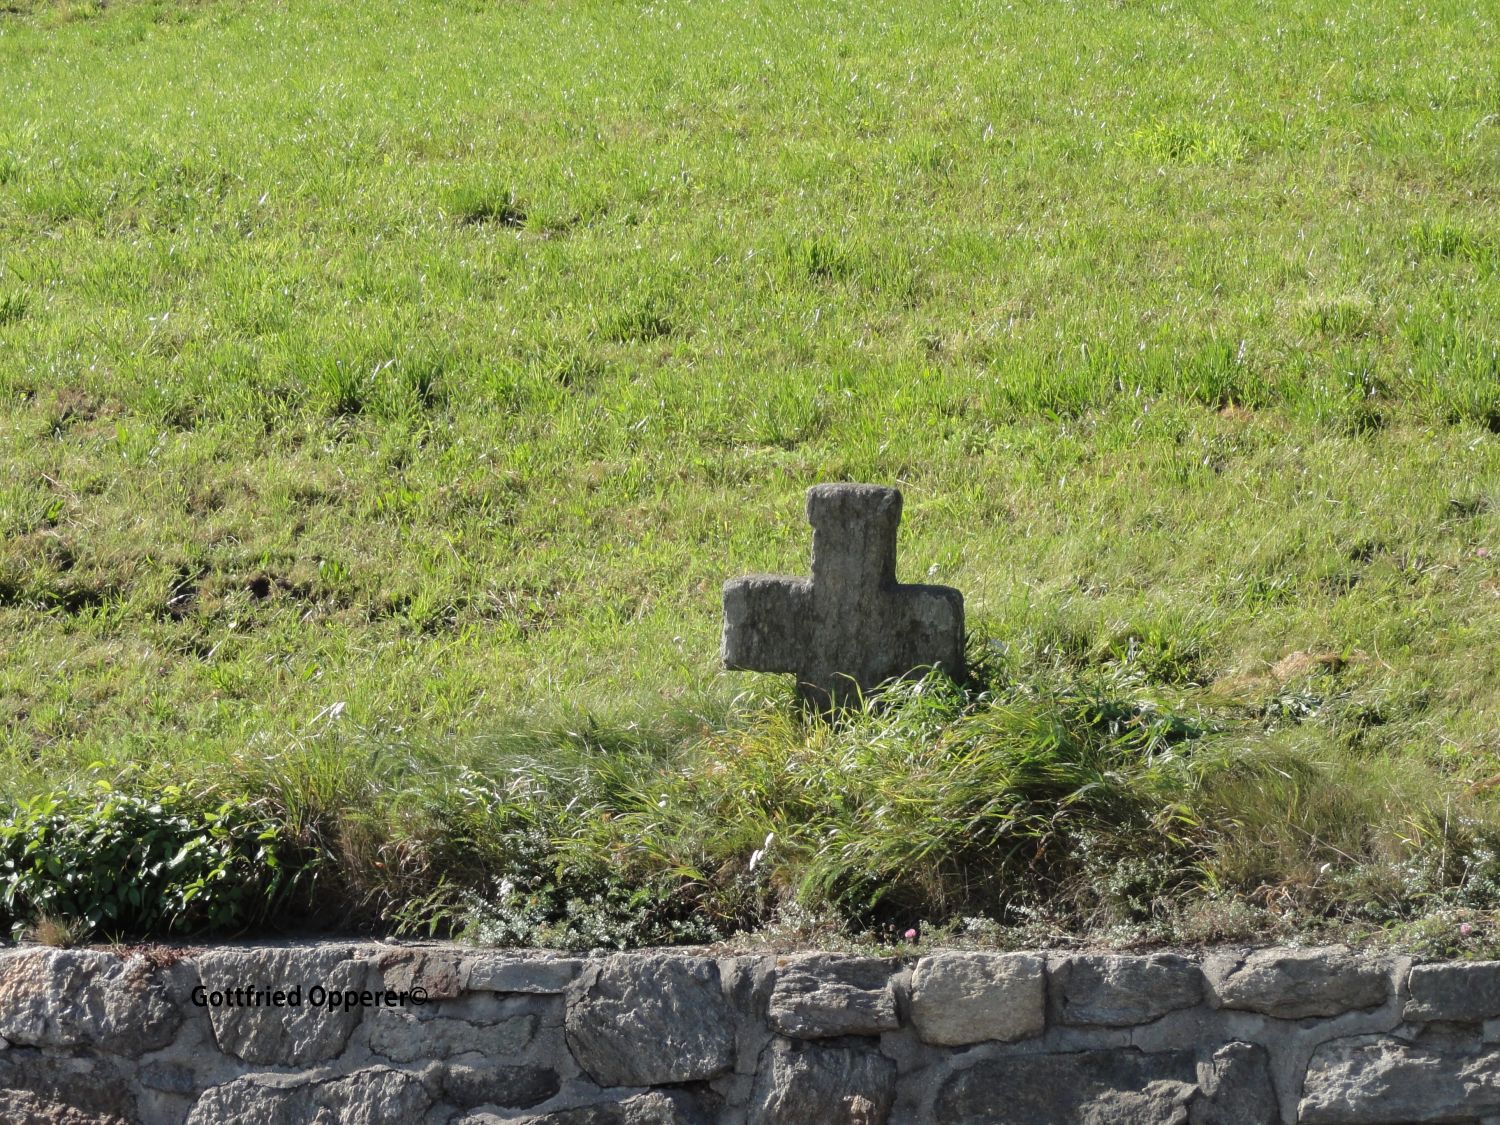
<point x="405" y="1038"/>
<point x="1236" y="1088"/>
<point x="440" y="976"/>
<point x="1105" y="990"/>
<point x="284" y="1036"/>
<point x="514" y="1086"/>
<point x="959" y="998"/>
<point x="42" y="1088"/>
<point x="1297" y="983"/>
<point x="820" y="995"/>
<point x="801" y="1083"/>
<point x="852" y="625"/>
<point x="747" y="982"/>
<point x="657" y="1107"/>
<point x="645" y="1020"/>
<point x="1120" y="1087"/>
<point x="82" y="998"/>
<point x="376" y="1095"/>
<point x="22" y="1107"/>
<point x="1374" y="1080"/>
<point x="1465" y="991"/>
<point x="506" y="973"/>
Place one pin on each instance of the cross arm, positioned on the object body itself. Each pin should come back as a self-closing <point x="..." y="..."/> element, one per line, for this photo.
<point x="766" y="619"/>
<point x="928" y="629"/>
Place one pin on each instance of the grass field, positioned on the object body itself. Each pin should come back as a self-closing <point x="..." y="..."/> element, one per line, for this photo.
<point x="387" y="389"/>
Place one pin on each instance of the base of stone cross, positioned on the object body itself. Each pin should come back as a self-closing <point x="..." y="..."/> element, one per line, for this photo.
<point x="851" y="627"/>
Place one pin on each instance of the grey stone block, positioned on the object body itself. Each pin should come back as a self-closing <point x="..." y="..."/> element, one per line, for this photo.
<point x="1378" y="1080"/>
<point x="656" y="1107"/>
<point x="84" y="998"/>
<point x="644" y="1020"/>
<point x="800" y="1083"/>
<point x="820" y="995"/>
<point x="1466" y="991"/>
<point x="1094" y="1087"/>
<point x="38" y="1086"/>
<point x="1118" y="991"/>
<point x="405" y="1038"/>
<point x="441" y="975"/>
<point x="1297" y="983"/>
<point x="1236" y="1088"/>
<point x="283" y="1036"/>
<point x="376" y="1095"/>
<point x="960" y="998"/>
<point x="499" y="972"/>
<point x="467" y="1085"/>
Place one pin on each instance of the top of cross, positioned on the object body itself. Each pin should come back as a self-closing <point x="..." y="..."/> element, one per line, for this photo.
<point x="854" y="535"/>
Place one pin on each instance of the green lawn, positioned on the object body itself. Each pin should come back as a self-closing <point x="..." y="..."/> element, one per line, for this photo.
<point x="383" y="384"/>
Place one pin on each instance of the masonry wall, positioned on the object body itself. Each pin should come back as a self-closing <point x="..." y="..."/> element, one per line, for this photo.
<point x="377" y="1033"/>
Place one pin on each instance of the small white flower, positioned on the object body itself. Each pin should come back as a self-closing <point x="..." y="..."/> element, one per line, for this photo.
<point x="760" y="853"/>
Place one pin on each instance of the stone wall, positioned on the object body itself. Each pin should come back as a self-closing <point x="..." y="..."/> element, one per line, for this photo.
<point x="368" y="1034"/>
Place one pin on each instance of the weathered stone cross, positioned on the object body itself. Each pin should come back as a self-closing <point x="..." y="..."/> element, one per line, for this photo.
<point x="852" y="626"/>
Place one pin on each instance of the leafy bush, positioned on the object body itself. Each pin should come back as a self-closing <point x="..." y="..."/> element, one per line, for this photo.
<point x="119" y="865"/>
<point x="542" y="890"/>
<point x="581" y="910"/>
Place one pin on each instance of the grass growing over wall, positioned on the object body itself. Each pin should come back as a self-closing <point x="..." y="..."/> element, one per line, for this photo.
<point x="1050" y="804"/>
<point x="380" y="380"/>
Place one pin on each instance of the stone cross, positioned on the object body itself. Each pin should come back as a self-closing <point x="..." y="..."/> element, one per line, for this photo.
<point x="851" y="626"/>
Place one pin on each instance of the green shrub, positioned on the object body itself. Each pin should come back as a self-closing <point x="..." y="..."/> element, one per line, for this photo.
<point x="119" y="865"/>
<point x="587" y="909"/>
<point x="542" y="889"/>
